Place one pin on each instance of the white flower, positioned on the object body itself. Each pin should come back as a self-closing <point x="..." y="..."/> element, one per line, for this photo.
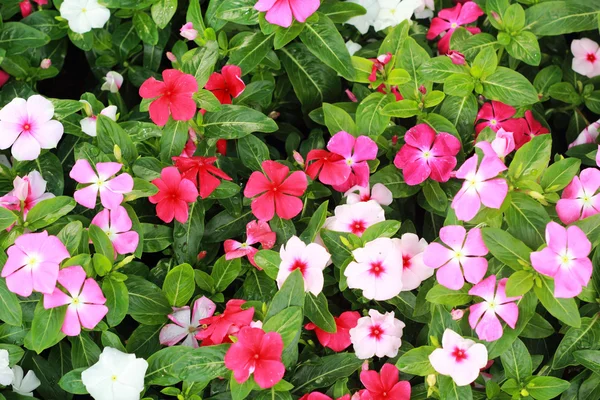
<point x="83" y="15"/>
<point x="414" y="269"/>
<point x="379" y="193"/>
<point x="6" y="373"/>
<point x="186" y="323"/>
<point x="88" y="125"/>
<point x="393" y="12"/>
<point x="24" y="385"/>
<point x="352" y="47"/>
<point x="116" y="376"/>
<point x="363" y="22"/>
<point x="310" y="259"/>
<point x="425" y="10"/>
<point x="356" y="218"/>
<point x="113" y="83"/>
<point x="377" y="335"/>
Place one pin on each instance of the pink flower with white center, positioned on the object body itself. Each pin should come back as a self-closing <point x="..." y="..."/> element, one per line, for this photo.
<point x="30" y="190"/>
<point x="356" y="218"/>
<point x="117" y="226"/>
<point x="586" y="57"/>
<point x="88" y="124"/>
<point x="459" y="358"/>
<point x="377" y="335"/>
<point x="113" y="82"/>
<point x="310" y="259"/>
<point x="481" y="186"/>
<point x="588" y="135"/>
<point x="85" y="299"/>
<point x="580" y="199"/>
<point x="483" y="317"/>
<point x="377" y="269"/>
<point x="449" y="19"/>
<point x="256" y="232"/>
<point x="33" y="263"/>
<point x="188" y="31"/>
<point x="565" y="259"/>
<point x="503" y="144"/>
<point x="356" y="152"/>
<point x="379" y="193"/>
<point x="414" y="270"/>
<point x="28" y="127"/>
<point x="111" y="190"/>
<point x="463" y="254"/>
<point x="186" y="323"/>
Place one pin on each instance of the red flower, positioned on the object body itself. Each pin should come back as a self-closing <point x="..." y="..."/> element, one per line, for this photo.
<point x="340" y="340"/>
<point x="27" y="8"/>
<point x="379" y="64"/>
<point x="222" y="147"/>
<point x="321" y="396"/>
<point x="4" y="77"/>
<point x="256" y="232"/>
<point x="524" y="129"/>
<point x="330" y="167"/>
<point x="227" y="84"/>
<point x="174" y="194"/>
<point x="202" y="172"/>
<point x="173" y="96"/>
<point x="385" y="385"/>
<point x="394" y="89"/>
<point x="258" y="353"/>
<point x="494" y="115"/>
<point x="219" y="327"/>
<point x="278" y="194"/>
<point x="449" y="19"/>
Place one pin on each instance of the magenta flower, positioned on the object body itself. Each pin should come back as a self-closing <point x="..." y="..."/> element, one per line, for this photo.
<point x="481" y="185"/>
<point x="565" y="259"/>
<point x="85" y="299"/>
<point x="186" y="323"/>
<point x="279" y="12"/>
<point x="427" y="155"/>
<point x="111" y="190"/>
<point x="494" y="114"/>
<point x="355" y="152"/>
<point x="483" y="317"/>
<point x="451" y="18"/>
<point x="331" y="168"/>
<point x="463" y="254"/>
<point x="256" y="232"/>
<point x="33" y="263"/>
<point x="580" y="199"/>
<point x="117" y="226"/>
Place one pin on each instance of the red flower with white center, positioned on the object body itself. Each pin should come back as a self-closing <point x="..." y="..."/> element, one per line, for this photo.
<point x="256" y="232"/>
<point x="310" y="259"/>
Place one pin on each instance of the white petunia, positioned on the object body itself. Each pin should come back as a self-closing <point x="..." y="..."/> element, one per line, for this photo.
<point x="24" y="385"/>
<point x="84" y="15"/>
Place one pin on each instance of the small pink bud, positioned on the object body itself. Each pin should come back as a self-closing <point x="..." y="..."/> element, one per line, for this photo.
<point x="457" y="57"/>
<point x="298" y="158"/>
<point x="351" y="96"/>
<point x="385" y="58"/>
<point x="423" y="89"/>
<point x="171" y="57"/>
<point x="202" y="255"/>
<point x="394" y="140"/>
<point x="26" y="8"/>
<point x="46" y="63"/>
<point x="188" y="31"/>
<point x="365" y="366"/>
<point x="496" y="16"/>
<point x="457" y="314"/>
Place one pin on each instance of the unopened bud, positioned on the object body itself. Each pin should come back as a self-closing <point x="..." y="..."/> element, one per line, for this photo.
<point x="496" y="16"/>
<point x="202" y="255"/>
<point x="171" y="57"/>
<point x="188" y="31"/>
<point x="524" y="393"/>
<point x="298" y="158"/>
<point x="351" y="96"/>
<point x="423" y="89"/>
<point x="87" y="108"/>
<point x="457" y="57"/>
<point x="385" y="58"/>
<point x="365" y="366"/>
<point x="431" y="380"/>
<point x="117" y="152"/>
<point x="274" y="114"/>
<point x="394" y="140"/>
<point x="46" y="63"/>
<point x="457" y="314"/>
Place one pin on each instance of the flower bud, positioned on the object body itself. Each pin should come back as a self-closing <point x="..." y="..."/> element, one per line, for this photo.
<point x="423" y="89"/>
<point x="298" y="158"/>
<point x="457" y="314"/>
<point x="431" y="380"/>
<point x="394" y="140"/>
<point x="457" y="57"/>
<point x="171" y="57"/>
<point x="188" y="31"/>
<point x="202" y="255"/>
<point x="365" y="366"/>
<point x="351" y="96"/>
<point x="117" y="153"/>
<point x="46" y="63"/>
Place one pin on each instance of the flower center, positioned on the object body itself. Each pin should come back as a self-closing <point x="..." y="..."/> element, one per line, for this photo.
<point x="427" y="154"/>
<point x="84" y="10"/>
<point x="358" y="227"/>
<point x="406" y="261"/>
<point x="32" y="262"/>
<point x="349" y="161"/>
<point x="591" y="57"/>
<point x="454" y="25"/>
<point x="459" y="354"/>
<point x="299" y="264"/>
<point x="365" y="197"/>
<point x="256" y="356"/>
<point x="565" y="260"/>
<point x="192" y="329"/>
<point x="377" y="268"/>
<point x="110" y="234"/>
<point x="113" y="378"/>
<point x="493" y="122"/>
<point x="75" y="301"/>
<point x="27" y="127"/>
<point x="376" y="332"/>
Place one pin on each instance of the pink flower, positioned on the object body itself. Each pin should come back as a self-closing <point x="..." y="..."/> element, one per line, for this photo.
<point x="586" y="57"/>
<point x="356" y="218"/>
<point x="202" y="172"/>
<point x="426" y="154"/>
<point x="33" y="263"/>
<point x="190" y="145"/>
<point x="459" y="358"/>
<point x="4" y="77"/>
<point x="355" y="152"/>
<point x="565" y="259"/>
<point x="310" y="259"/>
<point x="376" y="269"/>
<point x="340" y="340"/>
<point x="27" y="8"/>
<point x="579" y="199"/>
<point x="414" y="270"/>
<point x="588" y="135"/>
<point x="464" y="254"/>
<point x="377" y="335"/>
<point x="379" y="64"/>
<point x="174" y="195"/>
<point x="384" y="386"/>
<point x="598" y="157"/>
<point x="330" y="167"/>
<point x="29" y="190"/>
<point x="188" y="31"/>
<point x="117" y="226"/>
<point x="379" y="193"/>
<point x="483" y="317"/>
<point x="494" y="114"/>
<point x="278" y="191"/>
<point x="393" y="89"/>
<point x="457" y="314"/>
<point x="525" y="129"/>
<point x="503" y="144"/>
<point x="481" y="185"/>
<point x="227" y="84"/>
<point x="457" y="57"/>
<point x="45" y="63"/>
<point x="172" y="97"/>
<point x="220" y="327"/>
<point x="186" y="323"/>
<point x="85" y="299"/>
<point x="279" y="12"/>
<point x="256" y="232"/>
<point x="321" y="396"/>
<point x="451" y="18"/>
<point x="111" y="190"/>
<point x="28" y="127"/>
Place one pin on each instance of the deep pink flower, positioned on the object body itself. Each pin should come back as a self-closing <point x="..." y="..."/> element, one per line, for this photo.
<point x="321" y="396"/>
<point x="117" y="226"/>
<point x="494" y="114"/>
<point x="525" y="129"/>
<point x="463" y="254"/>
<point x="27" y="8"/>
<point x="174" y="195"/>
<point x="256" y="232"/>
<point x="457" y="57"/>
<point x="227" y="84"/>
<point x="330" y="167"/>
<point x="172" y="97"/>
<point x="394" y="90"/>
<point x="220" y="327"/>
<point x="426" y="154"/>
<point x="85" y="299"/>
<point x="384" y="386"/>
<point x="565" y="259"/>
<point x="451" y="18"/>
<point x="111" y="190"/>
<point x="483" y="317"/>
<point x="379" y="64"/>
<point x="186" y="323"/>
<point x="4" y="77"/>
<point x="340" y="339"/>
<point x="278" y="191"/>
<point x="279" y="12"/>
<point x="580" y="198"/>
<point x="355" y="152"/>
<point x="202" y="172"/>
<point x="190" y="145"/>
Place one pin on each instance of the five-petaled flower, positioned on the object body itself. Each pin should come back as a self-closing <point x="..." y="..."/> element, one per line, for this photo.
<point x="174" y="195"/>
<point x="379" y="192"/>
<point x="356" y="218"/>
<point x="202" y="172"/>
<point x="355" y="153"/>
<point x="385" y="385"/>
<point x="377" y="335"/>
<point x="310" y="260"/>
<point x="220" y="327"/>
<point x="524" y="129"/>
<point x="495" y="115"/>
<point x="414" y="270"/>
<point x="580" y="198"/>
<point x="186" y="323"/>
<point x="340" y="339"/>
<point x="449" y="19"/>
<point x="586" y="57"/>
<point x="256" y="232"/>
<point x="111" y="190"/>
<point x="117" y="226"/>
<point x="280" y="12"/>
<point x="227" y="84"/>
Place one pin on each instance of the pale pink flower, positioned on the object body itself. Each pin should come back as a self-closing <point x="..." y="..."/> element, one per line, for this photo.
<point x="414" y="269"/>
<point x="188" y="31"/>
<point x="356" y="218"/>
<point x="503" y="144"/>
<point x="598" y="156"/>
<point x="85" y="299"/>
<point x="112" y="82"/>
<point x="171" y="57"/>
<point x="117" y="226"/>
<point x="111" y="190"/>
<point x="279" y="12"/>
<point x="483" y="317"/>
<point x="256" y="232"/>
<point x="28" y="127"/>
<point x="586" y="57"/>
<point x="379" y="193"/>
<point x="588" y="135"/>
<point x="355" y="152"/>
<point x="29" y="190"/>
<point x="33" y="263"/>
<point x="377" y="269"/>
<point x="46" y="63"/>
<point x="186" y="323"/>
<point x="457" y="314"/>
<point x="377" y="335"/>
<point x="459" y="358"/>
<point x="88" y="124"/>
<point x="463" y="254"/>
<point x="580" y="198"/>
<point x="310" y="259"/>
<point x="565" y="259"/>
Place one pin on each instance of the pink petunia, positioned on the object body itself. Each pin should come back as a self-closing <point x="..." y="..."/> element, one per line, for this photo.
<point x="310" y="259"/>
<point x="580" y="198"/>
<point x="356" y="218"/>
<point x="355" y="152"/>
<point x="174" y="195"/>
<point x="29" y="190"/>
<point x="586" y="57"/>
<point x="280" y="12"/>
<point x="111" y="190"/>
<point x="340" y="339"/>
<point x="186" y="323"/>
<point x="230" y="322"/>
<point x="414" y="270"/>
<point x="525" y="129"/>
<point x="385" y="385"/>
<point x="463" y="254"/>
<point x="379" y="192"/>
<point x="33" y="263"/>
<point x="427" y="154"/>
<point x="202" y="172"/>
<point x="117" y="226"/>
<point x="449" y="19"/>
<point x="494" y="114"/>
<point x="565" y="259"/>
<point x="227" y="84"/>
<point x="329" y="167"/>
<point x="256" y="232"/>
<point x="377" y="335"/>
<point x="278" y="191"/>
<point x="483" y="317"/>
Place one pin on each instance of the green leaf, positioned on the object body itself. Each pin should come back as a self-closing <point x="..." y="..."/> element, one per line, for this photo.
<point x="435" y="196"/>
<point x="565" y="92"/>
<point x="369" y="118"/>
<point x="179" y="285"/>
<point x="531" y="159"/>
<point x="45" y="328"/>
<point x="524" y="46"/>
<point x="339" y="252"/>
<point x="10" y="307"/>
<point x="392" y="178"/>
<point x="147" y="303"/>
<point x="240" y="391"/>
<point x="442" y="295"/>
<point x="317" y="310"/>
<point x="557" y="176"/>
<point x="537" y="328"/>
<point x="475" y="43"/>
<point x="433" y="98"/>
<point x="224" y="272"/>
<point x="248" y="50"/>
<point x="340" y="12"/>
<point x="546" y="387"/>
<point x="591" y="227"/>
<point x="111" y="134"/>
<point x="269" y="261"/>
<point x="201" y="61"/>
<point x="160" y="365"/>
<point x="285" y="35"/>
<point x="461" y="112"/>
<point x="589" y="359"/>
<point x="48" y="211"/>
<point x="459" y="85"/>
<point x="519" y="283"/>
<point x="7" y="218"/>
<point x="398" y="76"/>
<point x="238" y="11"/>
<point x="173" y="139"/>
<point x="323" y="372"/>
<point x="316" y="222"/>
<point x="485" y="63"/>
<point x="235" y="122"/>
<point x="72" y="383"/>
<point x="552" y="18"/>
<point x="438" y="69"/>
<point x="395" y="39"/>
<point x="450" y="391"/>
<point x="291" y="294"/>
<point x="416" y="361"/>
<point x="117" y="300"/>
<point x="203" y="364"/>
<point x="514" y="18"/>
<point x="187" y="237"/>
<point x="287" y="322"/>
<point x="546" y="78"/>
<point x="381" y="229"/>
<point x="517" y="361"/>
<point x="509" y="87"/>
<point x="563" y="309"/>
<point x="17" y="38"/>
<point x="71" y="235"/>
<point x="194" y="15"/>
<point x="145" y="28"/>
<point x="527" y="220"/>
<point x="410" y="58"/>
<point x="585" y="337"/>
<point x="252" y="151"/>
<point x="156" y="237"/>
<point x="336" y="119"/>
<point x="402" y="109"/>
<point x="506" y="248"/>
<point x="102" y="243"/>
<point x="84" y="351"/>
<point x="162" y="11"/>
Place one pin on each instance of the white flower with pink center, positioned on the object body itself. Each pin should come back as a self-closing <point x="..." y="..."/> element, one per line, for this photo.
<point x="28" y="127"/>
<point x="379" y="193"/>
<point x="377" y="269"/>
<point x="377" y="335"/>
<point x="88" y="124"/>
<point x="356" y="218"/>
<point x="310" y="259"/>
<point x="459" y="358"/>
<point x="586" y="57"/>
<point x="186" y="323"/>
<point x="414" y="270"/>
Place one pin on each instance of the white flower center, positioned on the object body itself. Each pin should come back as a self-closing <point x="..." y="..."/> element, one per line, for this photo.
<point x="32" y="261"/>
<point x="454" y="25"/>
